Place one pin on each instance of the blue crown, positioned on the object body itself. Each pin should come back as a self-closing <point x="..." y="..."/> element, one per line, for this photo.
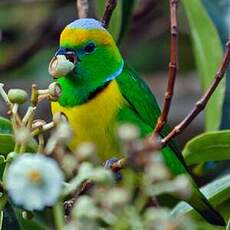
<point x="86" y="23"/>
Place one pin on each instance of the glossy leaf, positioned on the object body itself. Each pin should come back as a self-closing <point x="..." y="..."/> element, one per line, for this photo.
<point x="10" y="220"/>
<point x="6" y="140"/>
<point x="217" y="193"/>
<point x="212" y="146"/>
<point x="2" y="159"/>
<point x="1" y="219"/>
<point x="7" y="144"/>
<point x="228" y="226"/>
<point x="127" y="9"/>
<point x="3" y="201"/>
<point x="29" y="224"/>
<point x="219" y="13"/>
<point x="208" y="54"/>
<point x="13" y="220"/>
<point x="5" y="126"/>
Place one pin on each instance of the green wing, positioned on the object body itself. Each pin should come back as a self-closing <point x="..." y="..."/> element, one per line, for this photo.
<point x="144" y="111"/>
<point x="139" y="96"/>
<point x="143" y="102"/>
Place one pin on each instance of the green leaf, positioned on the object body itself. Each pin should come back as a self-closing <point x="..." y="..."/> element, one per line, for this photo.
<point x="127" y="9"/>
<point x="5" y="126"/>
<point x="2" y="159"/>
<point x="1" y="219"/>
<point x="228" y="226"/>
<point x="13" y="219"/>
<point x="217" y="193"/>
<point x="10" y="220"/>
<point x="211" y="146"/>
<point x="26" y="224"/>
<point x="208" y="53"/>
<point x="3" y="200"/>
<point x="6" y="143"/>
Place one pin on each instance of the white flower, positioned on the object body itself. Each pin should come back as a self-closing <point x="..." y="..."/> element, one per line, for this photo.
<point x="34" y="181"/>
<point x="85" y="208"/>
<point x="128" y="132"/>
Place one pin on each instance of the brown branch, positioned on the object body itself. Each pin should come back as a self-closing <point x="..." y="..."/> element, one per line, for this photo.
<point x="82" y="8"/>
<point x="200" y="104"/>
<point x="172" y="67"/>
<point x="110" y="7"/>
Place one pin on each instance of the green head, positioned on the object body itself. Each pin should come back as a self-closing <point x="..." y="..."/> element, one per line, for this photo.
<point x="87" y="60"/>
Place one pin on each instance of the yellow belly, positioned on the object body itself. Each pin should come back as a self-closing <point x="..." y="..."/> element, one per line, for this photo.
<point x="94" y="121"/>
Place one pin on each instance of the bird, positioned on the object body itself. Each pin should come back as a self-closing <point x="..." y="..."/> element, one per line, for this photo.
<point x="99" y="91"/>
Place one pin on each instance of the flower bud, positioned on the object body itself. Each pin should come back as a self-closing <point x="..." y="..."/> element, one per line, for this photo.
<point x="69" y="164"/>
<point x="11" y="156"/>
<point x="116" y="197"/>
<point x="128" y="132"/>
<point x="54" y="91"/>
<point x="22" y="135"/>
<point x="27" y="215"/>
<point x="38" y="123"/>
<point x="17" y="96"/>
<point x="103" y="176"/>
<point x="182" y="187"/>
<point x="85" y="151"/>
<point x="85" y="208"/>
<point x="63" y="132"/>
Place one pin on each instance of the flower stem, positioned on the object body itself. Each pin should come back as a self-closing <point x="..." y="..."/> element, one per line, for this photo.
<point x="16" y="148"/>
<point x="58" y="216"/>
<point x="22" y="148"/>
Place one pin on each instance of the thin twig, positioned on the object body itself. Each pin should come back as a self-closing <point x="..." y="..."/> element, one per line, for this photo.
<point x="82" y="8"/>
<point x="111" y="5"/>
<point x="200" y="104"/>
<point x="172" y="67"/>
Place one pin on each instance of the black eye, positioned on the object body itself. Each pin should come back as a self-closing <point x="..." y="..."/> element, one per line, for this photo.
<point x="90" y="48"/>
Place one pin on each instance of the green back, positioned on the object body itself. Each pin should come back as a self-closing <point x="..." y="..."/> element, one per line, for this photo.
<point x="143" y="110"/>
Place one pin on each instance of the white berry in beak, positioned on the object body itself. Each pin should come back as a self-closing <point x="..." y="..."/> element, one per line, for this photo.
<point x="60" y="66"/>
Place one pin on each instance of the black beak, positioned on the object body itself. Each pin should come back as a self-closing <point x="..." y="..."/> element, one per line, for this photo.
<point x="61" y="51"/>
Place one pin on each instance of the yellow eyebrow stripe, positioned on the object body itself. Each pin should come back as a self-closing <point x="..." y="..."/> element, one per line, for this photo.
<point x="75" y="37"/>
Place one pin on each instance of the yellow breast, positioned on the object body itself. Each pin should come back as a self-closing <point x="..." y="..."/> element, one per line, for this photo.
<point x="94" y="121"/>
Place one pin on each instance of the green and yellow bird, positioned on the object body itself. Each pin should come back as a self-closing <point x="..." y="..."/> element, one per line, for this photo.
<point x="99" y="90"/>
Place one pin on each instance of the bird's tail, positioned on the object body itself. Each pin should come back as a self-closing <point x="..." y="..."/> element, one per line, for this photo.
<point x="200" y="203"/>
<point x="175" y="161"/>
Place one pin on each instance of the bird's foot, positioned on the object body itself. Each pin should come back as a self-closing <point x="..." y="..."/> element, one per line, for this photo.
<point x="109" y="163"/>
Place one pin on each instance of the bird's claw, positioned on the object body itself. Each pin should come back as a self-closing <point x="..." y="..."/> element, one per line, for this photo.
<point x="108" y="165"/>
